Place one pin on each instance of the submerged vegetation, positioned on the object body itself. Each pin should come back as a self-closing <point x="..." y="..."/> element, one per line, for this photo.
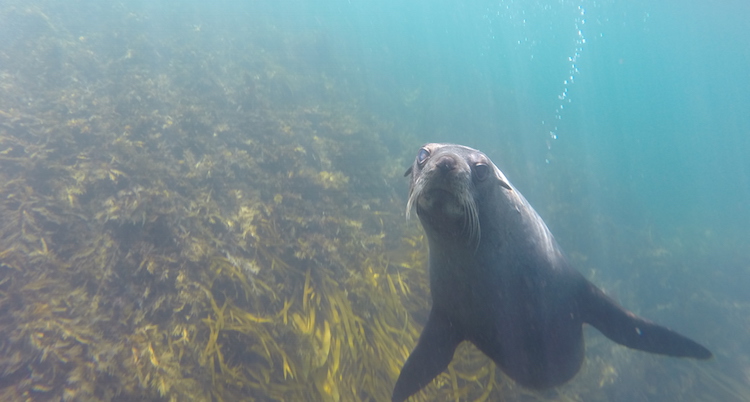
<point x="191" y="212"/>
<point x="183" y="222"/>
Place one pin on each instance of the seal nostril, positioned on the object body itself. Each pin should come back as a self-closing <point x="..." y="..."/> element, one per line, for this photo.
<point x="446" y="165"/>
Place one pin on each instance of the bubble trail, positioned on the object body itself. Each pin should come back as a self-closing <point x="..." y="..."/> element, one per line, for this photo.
<point x="573" y="72"/>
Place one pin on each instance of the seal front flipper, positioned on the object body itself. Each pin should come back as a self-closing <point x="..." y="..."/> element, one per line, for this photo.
<point x="632" y="331"/>
<point x="434" y="351"/>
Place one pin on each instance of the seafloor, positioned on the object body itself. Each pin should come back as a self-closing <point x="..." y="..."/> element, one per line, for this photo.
<point x="201" y="213"/>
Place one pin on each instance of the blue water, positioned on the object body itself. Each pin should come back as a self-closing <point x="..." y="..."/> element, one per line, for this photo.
<point x="641" y="109"/>
<point x="625" y="123"/>
<point x="645" y="102"/>
<point x="616" y="119"/>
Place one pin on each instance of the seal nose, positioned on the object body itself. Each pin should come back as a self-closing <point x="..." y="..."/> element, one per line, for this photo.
<point x="446" y="164"/>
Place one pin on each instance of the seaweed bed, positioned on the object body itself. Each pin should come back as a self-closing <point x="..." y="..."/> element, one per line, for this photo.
<point x="182" y="221"/>
<point x="188" y="223"/>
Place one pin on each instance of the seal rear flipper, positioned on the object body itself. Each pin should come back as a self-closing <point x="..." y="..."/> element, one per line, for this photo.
<point x="434" y="351"/>
<point x="632" y="331"/>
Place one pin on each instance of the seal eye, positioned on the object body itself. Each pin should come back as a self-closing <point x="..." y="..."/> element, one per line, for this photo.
<point x="481" y="171"/>
<point x="422" y="156"/>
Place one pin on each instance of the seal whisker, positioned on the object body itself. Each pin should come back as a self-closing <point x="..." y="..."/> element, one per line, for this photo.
<point x="414" y="193"/>
<point x="472" y="223"/>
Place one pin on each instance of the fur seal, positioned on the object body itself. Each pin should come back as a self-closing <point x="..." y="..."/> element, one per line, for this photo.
<point x="499" y="280"/>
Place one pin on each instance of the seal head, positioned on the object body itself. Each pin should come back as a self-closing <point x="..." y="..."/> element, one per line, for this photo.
<point x="444" y="190"/>
<point x="499" y="280"/>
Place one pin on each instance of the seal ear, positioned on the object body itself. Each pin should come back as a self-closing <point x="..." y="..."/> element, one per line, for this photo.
<point x="505" y="184"/>
<point x="408" y="171"/>
<point x="501" y="178"/>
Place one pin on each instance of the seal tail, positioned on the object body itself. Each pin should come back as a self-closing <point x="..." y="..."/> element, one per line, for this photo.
<point x="431" y="357"/>
<point x="632" y="331"/>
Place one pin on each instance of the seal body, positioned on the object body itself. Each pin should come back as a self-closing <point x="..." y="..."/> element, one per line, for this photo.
<point x="499" y="280"/>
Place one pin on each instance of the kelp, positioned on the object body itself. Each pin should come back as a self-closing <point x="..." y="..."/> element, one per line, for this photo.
<point x="180" y="221"/>
<point x="166" y="240"/>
